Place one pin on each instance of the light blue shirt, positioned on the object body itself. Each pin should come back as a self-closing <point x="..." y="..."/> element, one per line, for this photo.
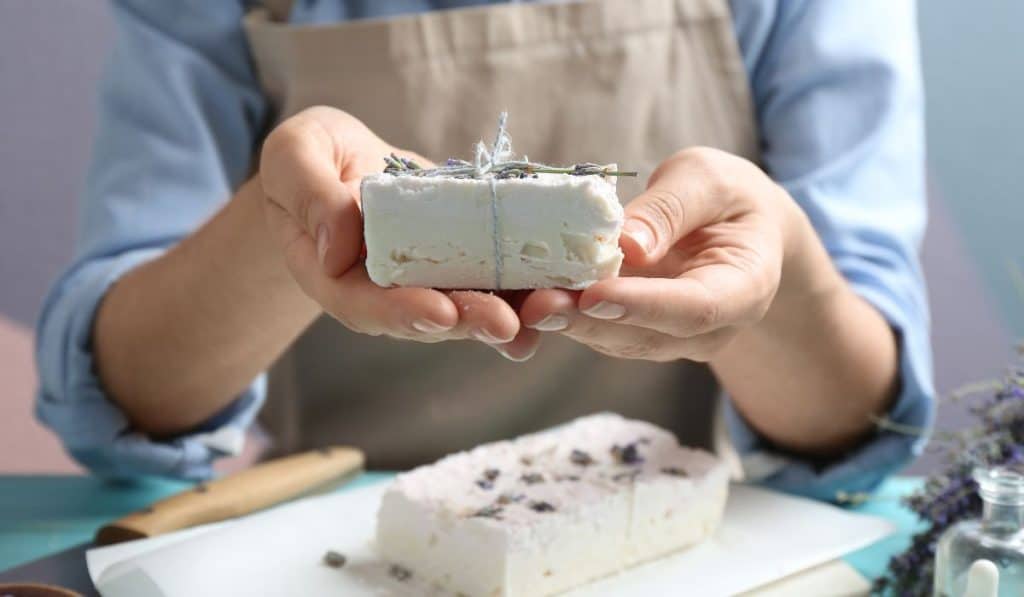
<point x="839" y="102"/>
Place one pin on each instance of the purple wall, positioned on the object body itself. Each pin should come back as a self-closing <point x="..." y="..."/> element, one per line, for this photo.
<point x="50" y="57"/>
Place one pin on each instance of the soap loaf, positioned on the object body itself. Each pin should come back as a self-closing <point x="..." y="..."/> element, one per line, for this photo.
<point x="547" y="512"/>
<point x="552" y="230"/>
<point x="497" y="223"/>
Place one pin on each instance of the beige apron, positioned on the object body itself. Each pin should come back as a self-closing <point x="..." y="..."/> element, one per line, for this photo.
<point x="625" y="81"/>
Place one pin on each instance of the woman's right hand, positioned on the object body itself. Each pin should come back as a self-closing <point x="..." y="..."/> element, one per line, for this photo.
<point x="310" y="169"/>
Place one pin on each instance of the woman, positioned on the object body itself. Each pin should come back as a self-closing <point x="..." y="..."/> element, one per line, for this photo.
<point x="204" y="259"/>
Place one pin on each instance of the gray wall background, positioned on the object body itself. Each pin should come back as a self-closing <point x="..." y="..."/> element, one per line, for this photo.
<point x="51" y="53"/>
<point x="973" y="55"/>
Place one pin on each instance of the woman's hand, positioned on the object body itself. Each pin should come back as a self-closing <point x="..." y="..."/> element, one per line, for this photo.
<point x="704" y="248"/>
<point x="723" y="266"/>
<point x="310" y="168"/>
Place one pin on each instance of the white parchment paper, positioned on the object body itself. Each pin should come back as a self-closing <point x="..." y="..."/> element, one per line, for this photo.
<point x="764" y="536"/>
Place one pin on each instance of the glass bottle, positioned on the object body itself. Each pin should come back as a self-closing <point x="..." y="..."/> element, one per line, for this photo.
<point x="997" y="537"/>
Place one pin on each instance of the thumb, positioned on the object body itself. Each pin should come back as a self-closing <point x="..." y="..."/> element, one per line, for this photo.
<point x="683" y="194"/>
<point x="301" y="175"/>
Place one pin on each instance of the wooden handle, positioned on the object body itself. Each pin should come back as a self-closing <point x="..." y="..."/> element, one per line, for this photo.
<point x="247" y="491"/>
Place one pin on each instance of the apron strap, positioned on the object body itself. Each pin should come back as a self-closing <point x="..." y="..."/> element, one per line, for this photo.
<point x="279" y="10"/>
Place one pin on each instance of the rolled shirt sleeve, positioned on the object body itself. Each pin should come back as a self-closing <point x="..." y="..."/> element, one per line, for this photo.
<point x="839" y="100"/>
<point x="179" y="115"/>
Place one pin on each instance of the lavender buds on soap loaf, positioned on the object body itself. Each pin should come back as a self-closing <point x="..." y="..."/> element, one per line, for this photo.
<point x="495" y="224"/>
<point x="550" y="511"/>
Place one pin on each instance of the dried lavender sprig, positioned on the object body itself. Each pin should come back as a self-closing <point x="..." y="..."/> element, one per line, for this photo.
<point x="974" y="389"/>
<point x="887" y="424"/>
<point x="393" y="163"/>
<point x="951" y="495"/>
<point x="520" y="169"/>
<point x="581" y="170"/>
<point x="494" y="161"/>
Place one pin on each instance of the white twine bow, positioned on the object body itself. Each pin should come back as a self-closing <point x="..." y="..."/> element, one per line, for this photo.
<point x="499" y="153"/>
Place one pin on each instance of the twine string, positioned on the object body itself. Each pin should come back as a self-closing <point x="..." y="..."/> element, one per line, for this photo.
<point x="484" y="163"/>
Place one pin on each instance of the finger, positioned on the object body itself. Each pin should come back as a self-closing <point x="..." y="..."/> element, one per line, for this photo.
<point x="364" y="307"/>
<point x="514" y="298"/>
<point x="299" y="250"/>
<point x="300" y="170"/>
<point x="621" y="340"/>
<point x="689" y="190"/>
<point x="549" y="309"/>
<point x="484" y="317"/>
<point x="702" y="300"/>
<point x="555" y="310"/>
<point x="522" y="347"/>
<point x="353" y="299"/>
<point x="631" y="342"/>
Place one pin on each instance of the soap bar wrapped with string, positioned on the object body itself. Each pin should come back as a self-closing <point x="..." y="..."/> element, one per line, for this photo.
<point x="495" y="223"/>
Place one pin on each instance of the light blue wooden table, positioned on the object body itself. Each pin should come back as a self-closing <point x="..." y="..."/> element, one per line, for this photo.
<point x="42" y="515"/>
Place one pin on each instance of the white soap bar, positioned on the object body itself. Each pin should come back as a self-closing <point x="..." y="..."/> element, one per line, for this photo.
<point x="550" y="511"/>
<point x="551" y="231"/>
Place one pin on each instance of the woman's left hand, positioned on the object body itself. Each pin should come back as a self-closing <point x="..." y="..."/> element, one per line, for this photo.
<point x="704" y="250"/>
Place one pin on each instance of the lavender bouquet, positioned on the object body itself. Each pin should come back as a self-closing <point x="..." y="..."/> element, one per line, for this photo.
<point x="997" y="439"/>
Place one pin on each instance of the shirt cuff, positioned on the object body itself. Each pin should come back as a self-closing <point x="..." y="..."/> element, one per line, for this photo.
<point x="865" y="467"/>
<point x="71" y="400"/>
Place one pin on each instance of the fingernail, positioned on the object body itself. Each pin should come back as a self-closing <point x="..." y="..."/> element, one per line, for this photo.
<point x="605" y="310"/>
<point x="501" y="350"/>
<point x="640" y="233"/>
<point x="429" y="327"/>
<point x="551" y="323"/>
<point x="322" y="239"/>
<point x="487" y="338"/>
